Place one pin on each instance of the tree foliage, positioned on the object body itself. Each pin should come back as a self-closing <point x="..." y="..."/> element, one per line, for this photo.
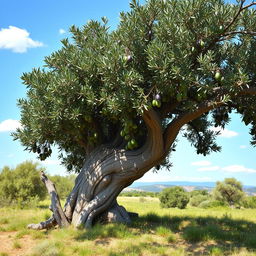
<point x="230" y="191"/>
<point x="63" y="184"/>
<point x="193" y="60"/>
<point x="249" y="202"/>
<point x="174" y="197"/>
<point x="21" y="185"/>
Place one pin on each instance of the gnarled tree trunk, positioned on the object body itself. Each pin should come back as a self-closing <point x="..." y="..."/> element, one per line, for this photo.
<point x="110" y="168"/>
<point x="104" y="175"/>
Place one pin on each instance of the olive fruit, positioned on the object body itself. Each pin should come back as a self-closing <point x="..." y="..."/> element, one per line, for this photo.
<point x="201" y="42"/>
<point x="156" y="103"/>
<point x="217" y="75"/>
<point x="122" y="133"/>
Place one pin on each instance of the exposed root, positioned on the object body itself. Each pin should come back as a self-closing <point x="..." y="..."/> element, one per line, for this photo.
<point x="48" y="224"/>
<point x="116" y="214"/>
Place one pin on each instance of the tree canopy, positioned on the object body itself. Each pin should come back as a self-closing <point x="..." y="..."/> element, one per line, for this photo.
<point x="190" y="62"/>
<point x="230" y="191"/>
<point x="21" y="185"/>
<point x="174" y="197"/>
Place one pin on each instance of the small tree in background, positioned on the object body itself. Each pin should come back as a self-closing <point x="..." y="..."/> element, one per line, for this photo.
<point x="64" y="184"/>
<point x="21" y="185"/>
<point x="230" y="191"/>
<point x="174" y="197"/>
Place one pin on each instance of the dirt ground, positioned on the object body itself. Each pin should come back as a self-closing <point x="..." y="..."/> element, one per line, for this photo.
<point x="9" y="244"/>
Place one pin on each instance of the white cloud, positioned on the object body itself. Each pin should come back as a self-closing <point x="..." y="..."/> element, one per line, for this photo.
<point x="9" y="125"/>
<point x="225" y="133"/>
<point x="62" y="31"/>
<point x="208" y="169"/>
<point x="201" y="163"/>
<point x="238" y="168"/>
<point x="17" y="39"/>
<point x="243" y="146"/>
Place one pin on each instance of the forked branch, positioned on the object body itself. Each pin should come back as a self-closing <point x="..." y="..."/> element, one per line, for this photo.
<point x="59" y="216"/>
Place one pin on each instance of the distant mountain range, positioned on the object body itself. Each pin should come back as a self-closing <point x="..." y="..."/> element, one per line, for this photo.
<point x="187" y="185"/>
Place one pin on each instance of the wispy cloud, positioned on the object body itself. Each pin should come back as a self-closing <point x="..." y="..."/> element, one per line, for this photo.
<point x="17" y="39"/>
<point x="229" y="168"/>
<point x="62" y="31"/>
<point x="9" y="125"/>
<point x="238" y="168"/>
<point x="243" y="146"/>
<point x="201" y="163"/>
<point x="225" y="133"/>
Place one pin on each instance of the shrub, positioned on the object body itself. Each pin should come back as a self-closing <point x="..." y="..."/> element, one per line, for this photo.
<point x="174" y="197"/>
<point x="203" y="192"/>
<point x="249" y="202"/>
<point x="212" y="204"/>
<point x="198" y="199"/>
<point x="63" y="184"/>
<point x="22" y="185"/>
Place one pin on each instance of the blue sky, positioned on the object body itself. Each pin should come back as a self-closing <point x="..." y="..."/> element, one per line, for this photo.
<point x="31" y="30"/>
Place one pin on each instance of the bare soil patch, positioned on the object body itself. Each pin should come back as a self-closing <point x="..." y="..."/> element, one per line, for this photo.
<point x="7" y="240"/>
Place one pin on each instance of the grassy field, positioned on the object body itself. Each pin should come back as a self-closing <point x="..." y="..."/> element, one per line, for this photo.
<point x="157" y="231"/>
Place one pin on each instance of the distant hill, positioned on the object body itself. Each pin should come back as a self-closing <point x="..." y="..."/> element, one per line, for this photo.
<point x="187" y="185"/>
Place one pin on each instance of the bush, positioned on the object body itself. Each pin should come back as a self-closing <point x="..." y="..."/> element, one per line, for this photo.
<point x="174" y="197"/>
<point x="212" y="204"/>
<point x="249" y="202"/>
<point x="63" y="184"/>
<point x="21" y="186"/>
<point x="198" y="199"/>
<point x="139" y="194"/>
<point x="203" y="192"/>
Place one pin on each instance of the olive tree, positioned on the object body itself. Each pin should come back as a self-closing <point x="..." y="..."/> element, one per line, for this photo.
<point x="114" y="101"/>
<point x="230" y="191"/>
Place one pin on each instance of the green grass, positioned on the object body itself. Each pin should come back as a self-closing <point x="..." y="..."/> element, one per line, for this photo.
<point x="4" y="254"/>
<point x="16" y="245"/>
<point x="157" y="231"/>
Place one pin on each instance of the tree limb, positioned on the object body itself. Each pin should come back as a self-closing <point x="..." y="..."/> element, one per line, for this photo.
<point x="56" y="208"/>
<point x="153" y="122"/>
<point x="174" y="126"/>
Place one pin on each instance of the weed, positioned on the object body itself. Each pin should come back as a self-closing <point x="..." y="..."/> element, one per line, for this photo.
<point x="16" y="245"/>
<point x="110" y="230"/>
<point x="216" y="251"/>
<point x="163" y="231"/>
<point x="46" y="248"/>
<point x="38" y="234"/>
<point x="194" y="234"/>
<point x="22" y="233"/>
<point x="4" y="254"/>
<point x="4" y="221"/>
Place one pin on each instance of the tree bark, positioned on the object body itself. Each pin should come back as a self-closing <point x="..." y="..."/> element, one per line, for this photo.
<point x="107" y="171"/>
<point x="110" y="168"/>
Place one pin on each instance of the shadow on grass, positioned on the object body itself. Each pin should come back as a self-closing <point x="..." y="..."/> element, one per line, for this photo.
<point x="105" y="232"/>
<point x="224" y="231"/>
<point x="213" y="236"/>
